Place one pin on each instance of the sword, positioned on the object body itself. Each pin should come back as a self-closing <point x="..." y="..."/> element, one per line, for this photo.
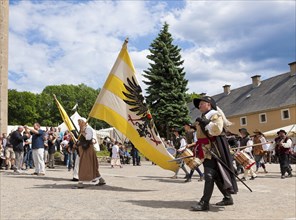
<point x="217" y="158"/>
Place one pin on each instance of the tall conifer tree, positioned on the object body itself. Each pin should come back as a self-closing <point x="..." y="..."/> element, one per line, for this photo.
<point x="166" y="83"/>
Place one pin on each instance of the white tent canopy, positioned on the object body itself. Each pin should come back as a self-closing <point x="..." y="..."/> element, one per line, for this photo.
<point x="290" y="129"/>
<point x="74" y="119"/>
<point x="112" y="133"/>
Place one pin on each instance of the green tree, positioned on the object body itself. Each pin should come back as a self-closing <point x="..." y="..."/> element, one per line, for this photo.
<point x="191" y="96"/>
<point x="68" y="96"/>
<point x="166" y="83"/>
<point x="21" y="108"/>
<point x="28" y="108"/>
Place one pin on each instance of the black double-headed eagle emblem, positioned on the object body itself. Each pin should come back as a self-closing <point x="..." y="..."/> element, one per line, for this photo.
<point x="137" y="103"/>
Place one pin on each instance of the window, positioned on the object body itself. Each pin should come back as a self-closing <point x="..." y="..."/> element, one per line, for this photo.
<point x="285" y="114"/>
<point x="243" y="121"/>
<point x="262" y="118"/>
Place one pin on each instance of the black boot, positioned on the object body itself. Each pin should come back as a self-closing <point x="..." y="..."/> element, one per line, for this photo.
<point x="188" y="179"/>
<point x="225" y="201"/>
<point x="201" y="206"/>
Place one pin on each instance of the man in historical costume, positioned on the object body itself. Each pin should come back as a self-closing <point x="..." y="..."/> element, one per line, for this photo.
<point x="191" y="139"/>
<point x="179" y="143"/>
<point x="214" y="151"/>
<point x="260" y="144"/>
<point x="283" y="146"/>
<point x="88" y="162"/>
<point x="245" y="140"/>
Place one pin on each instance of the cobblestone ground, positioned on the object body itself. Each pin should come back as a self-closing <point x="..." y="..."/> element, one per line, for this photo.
<point x="140" y="192"/>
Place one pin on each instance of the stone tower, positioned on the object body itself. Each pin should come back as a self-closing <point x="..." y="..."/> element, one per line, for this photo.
<point x="4" y="11"/>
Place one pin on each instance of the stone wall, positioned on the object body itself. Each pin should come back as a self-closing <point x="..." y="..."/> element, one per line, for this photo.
<point x="4" y="12"/>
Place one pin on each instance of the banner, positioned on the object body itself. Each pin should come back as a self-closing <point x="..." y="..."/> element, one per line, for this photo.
<point x="67" y="120"/>
<point x="122" y="105"/>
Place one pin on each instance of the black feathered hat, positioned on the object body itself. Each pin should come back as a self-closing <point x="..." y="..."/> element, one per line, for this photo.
<point x="281" y="131"/>
<point x="208" y="99"/>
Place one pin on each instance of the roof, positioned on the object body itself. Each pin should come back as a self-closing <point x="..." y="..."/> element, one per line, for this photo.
<point x="273" y="93"/>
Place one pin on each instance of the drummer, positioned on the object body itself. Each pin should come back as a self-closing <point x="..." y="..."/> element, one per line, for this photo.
<point x="191" y="139"/>
<point x="179" y="143"/>
<point x="245" y="140"/>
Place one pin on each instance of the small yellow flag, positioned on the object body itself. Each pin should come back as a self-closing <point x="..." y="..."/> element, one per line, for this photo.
<point x="65" y="116"/>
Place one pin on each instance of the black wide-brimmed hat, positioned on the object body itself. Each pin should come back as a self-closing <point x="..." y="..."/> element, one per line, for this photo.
<point x="281" y="131"/>
<point x="243" y="130"/>
<point x="208" y="99"/>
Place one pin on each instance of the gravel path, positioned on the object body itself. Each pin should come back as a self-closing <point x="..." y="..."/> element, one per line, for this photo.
<point x="140" y="192"/>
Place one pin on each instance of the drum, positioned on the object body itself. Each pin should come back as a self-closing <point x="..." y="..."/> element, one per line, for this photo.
<point x="244" y="159"/>
<point x="191" y="161"/>
<point x="171" y="150"/>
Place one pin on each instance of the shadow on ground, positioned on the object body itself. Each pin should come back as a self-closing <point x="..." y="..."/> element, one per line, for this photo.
<point x="89" y="187"/>
<point x="170" y="204"/>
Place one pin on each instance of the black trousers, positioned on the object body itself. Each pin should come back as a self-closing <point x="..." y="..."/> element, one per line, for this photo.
<point x="284" y="164"/>
<point x="212" y="175"/>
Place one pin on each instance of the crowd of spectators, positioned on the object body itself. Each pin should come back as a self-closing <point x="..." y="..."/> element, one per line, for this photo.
<point x="20" y="158"/>
<point x="16" y="151"/>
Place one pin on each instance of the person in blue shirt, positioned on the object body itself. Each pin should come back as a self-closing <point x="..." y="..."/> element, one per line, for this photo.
<point x="37" y="148"/>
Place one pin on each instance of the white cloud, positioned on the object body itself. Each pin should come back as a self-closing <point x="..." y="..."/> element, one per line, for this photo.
<point x="234" y="40"/>
<point x="225" y="42"/>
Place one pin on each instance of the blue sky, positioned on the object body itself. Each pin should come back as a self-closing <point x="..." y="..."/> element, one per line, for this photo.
<point x="223" y="42"/>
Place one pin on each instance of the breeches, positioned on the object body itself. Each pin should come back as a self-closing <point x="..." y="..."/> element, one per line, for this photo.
<point x="212" y="175"/>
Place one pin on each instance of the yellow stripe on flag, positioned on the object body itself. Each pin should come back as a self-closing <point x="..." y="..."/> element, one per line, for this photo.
<point x="115" y="85"/>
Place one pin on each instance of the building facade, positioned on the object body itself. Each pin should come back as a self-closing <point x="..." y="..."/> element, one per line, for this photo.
<point x="263" y="105"/>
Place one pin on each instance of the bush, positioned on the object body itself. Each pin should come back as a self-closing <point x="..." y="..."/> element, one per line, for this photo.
<point x="103" y="153"/>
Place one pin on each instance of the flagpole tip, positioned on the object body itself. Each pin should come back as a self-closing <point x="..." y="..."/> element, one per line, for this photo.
<point x="125" y="43"/>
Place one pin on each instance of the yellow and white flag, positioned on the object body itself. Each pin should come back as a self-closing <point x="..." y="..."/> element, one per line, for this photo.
<point x="122" y="105"/>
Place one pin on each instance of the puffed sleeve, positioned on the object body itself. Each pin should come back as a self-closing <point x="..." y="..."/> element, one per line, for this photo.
<point x="88" y="133"/>
<point x="215" y="127"/>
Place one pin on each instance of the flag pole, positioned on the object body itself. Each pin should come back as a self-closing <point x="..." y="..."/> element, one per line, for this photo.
<point x="124" y="46"/>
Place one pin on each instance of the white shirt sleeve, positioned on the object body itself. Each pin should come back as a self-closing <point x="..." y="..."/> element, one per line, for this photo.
<point x="183" y="143"/>
<point x="249" y="149"/>
<point x="195" y="137"/>
<point x="265" y="146"/>
<point x="288" y="144"/>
